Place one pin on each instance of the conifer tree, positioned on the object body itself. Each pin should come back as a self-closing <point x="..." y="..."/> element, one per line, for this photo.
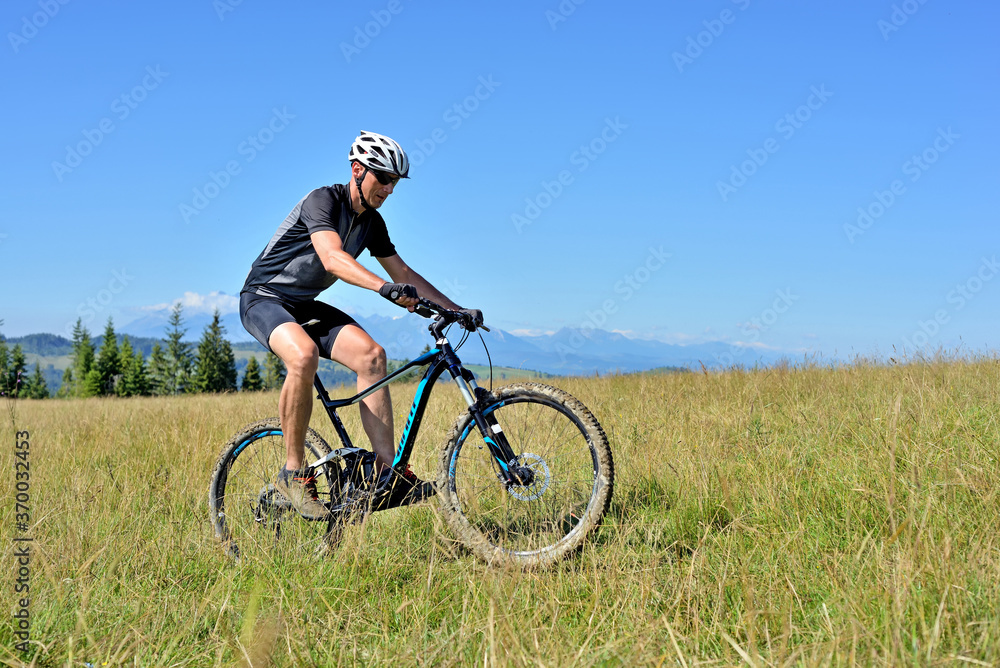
<point x="66" y="389"/>
<point x="158" y="371"/>
<point x="139" y="378"/>
<point x="92" y="385"/>
<point x="8" y="373"/>
<point x="179" y="358"/>
<point x="4" y="366"/>
<point x="252" y="382"/>
<point x="133" y="381"/>
<point x="83" y="358"/>
<point x="108" y="363"/>
<point x="274" y="372"/>
<point x="36" y="387"/>
<point x="125" y="354"/>
<point x="16" y="378"/>
<point x="215" y="366"/>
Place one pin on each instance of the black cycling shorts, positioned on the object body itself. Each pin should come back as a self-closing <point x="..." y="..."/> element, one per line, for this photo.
<point x="260" y="315"/>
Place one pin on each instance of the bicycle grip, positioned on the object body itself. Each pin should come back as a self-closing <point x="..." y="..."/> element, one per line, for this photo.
<point x="422" y="310"/>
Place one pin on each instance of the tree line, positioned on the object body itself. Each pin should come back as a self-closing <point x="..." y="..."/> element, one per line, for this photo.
<point x="13" y="381"/>
<point x="176" y="367"/>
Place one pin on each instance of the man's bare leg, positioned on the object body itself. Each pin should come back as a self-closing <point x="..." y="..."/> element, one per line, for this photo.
<point x="356" y="350"/>
<point x="301" y="357"/>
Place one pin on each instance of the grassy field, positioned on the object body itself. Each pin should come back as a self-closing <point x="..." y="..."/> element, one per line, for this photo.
<point x="774" y="517"/>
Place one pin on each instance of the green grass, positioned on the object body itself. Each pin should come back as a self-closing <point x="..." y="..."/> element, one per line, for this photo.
<point x="780" y="517"/>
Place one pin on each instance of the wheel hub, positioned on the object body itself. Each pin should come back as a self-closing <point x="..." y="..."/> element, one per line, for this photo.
<point x="534" y="472"/>
<point x="270" y="506"/>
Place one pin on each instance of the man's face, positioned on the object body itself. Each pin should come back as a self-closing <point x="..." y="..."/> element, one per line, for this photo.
<point x="374" y="191"/>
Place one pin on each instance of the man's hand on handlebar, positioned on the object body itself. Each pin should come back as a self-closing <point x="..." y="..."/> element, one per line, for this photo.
<point x="401" y="294"/>
<point x="474" y="317"/>
<point x="469" y="318"/>
<point x="404" y="294"/>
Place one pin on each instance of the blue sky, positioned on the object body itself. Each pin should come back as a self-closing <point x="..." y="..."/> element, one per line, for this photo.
<point x="686" y="172"/>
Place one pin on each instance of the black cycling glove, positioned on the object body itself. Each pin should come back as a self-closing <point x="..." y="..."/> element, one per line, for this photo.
<point x="474" y="314"/>
<point x="393" y="291"/>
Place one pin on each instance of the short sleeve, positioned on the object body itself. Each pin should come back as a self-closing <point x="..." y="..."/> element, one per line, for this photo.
<point x="320" y="212"/>
<point x="378" y="242"/>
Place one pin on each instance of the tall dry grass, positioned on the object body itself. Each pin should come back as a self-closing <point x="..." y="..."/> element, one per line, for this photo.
<point x="772" y="517"/>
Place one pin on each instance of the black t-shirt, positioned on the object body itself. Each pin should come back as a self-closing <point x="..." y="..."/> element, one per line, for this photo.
<point x="289" y="268"/>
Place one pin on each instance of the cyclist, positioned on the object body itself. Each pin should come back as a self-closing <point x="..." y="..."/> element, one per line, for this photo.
<point x="318" y="243"/>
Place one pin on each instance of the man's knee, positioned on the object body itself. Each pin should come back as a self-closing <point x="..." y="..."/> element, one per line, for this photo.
<point x="374" y="360"/>
<point x="302" y="360"/>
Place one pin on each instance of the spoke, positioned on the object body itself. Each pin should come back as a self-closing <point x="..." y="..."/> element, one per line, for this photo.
<point x="551" y="506"/>
<point x="280" y="527"/>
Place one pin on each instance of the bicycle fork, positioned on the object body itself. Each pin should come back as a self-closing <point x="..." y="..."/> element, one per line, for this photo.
<point x="511" y="472"/>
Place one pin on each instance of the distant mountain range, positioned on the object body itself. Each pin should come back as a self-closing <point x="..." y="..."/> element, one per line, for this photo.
<point x="566" y="352"/>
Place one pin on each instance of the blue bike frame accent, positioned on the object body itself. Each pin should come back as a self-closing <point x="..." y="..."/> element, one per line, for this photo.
<point x="437" y="360"/>
<point x="465" y="433"/>
<point x="437" y="366"/>
<point x="244" y="444"/>
<point x="410" y="420"/>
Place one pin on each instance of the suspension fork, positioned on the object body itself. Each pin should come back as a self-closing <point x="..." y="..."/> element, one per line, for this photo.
<point x="493" y="435"/>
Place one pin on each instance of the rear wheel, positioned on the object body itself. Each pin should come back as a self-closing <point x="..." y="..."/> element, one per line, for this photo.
<point x="249" y="515"/>
<point x="534" y="525"/>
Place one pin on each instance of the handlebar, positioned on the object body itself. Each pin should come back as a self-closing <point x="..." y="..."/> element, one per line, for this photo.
<point x="444" y="317"/>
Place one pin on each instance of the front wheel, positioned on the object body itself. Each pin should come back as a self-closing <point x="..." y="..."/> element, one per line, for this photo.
<point x="249" y="514"/>
<point x="534" y="525"/>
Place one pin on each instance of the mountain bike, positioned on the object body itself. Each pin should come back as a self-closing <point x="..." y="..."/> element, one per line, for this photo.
<point x="524" y="478"/>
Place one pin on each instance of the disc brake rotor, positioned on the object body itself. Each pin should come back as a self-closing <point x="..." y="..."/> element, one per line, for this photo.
<point x="542" y="477"/>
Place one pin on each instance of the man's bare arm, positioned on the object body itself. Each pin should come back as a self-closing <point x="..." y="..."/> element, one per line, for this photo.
<point x="402" y="273"/>
<point x="341" y="264"/>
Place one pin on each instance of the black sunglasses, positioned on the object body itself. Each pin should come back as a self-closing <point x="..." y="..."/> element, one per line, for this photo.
<point x="385" y="178"/>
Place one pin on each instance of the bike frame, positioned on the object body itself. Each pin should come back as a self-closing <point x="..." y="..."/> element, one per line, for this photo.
<point x="437" y="360"/>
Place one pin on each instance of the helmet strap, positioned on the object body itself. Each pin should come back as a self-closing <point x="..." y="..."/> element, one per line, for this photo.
<point x="357" y="182"/>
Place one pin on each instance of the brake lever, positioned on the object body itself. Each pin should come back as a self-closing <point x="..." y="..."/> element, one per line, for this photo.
<point x="423" y="310"/>
<point x="474" y="326"/>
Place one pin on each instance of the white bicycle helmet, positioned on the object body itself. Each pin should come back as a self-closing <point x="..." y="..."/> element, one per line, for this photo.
<point x="380" y="153"/>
